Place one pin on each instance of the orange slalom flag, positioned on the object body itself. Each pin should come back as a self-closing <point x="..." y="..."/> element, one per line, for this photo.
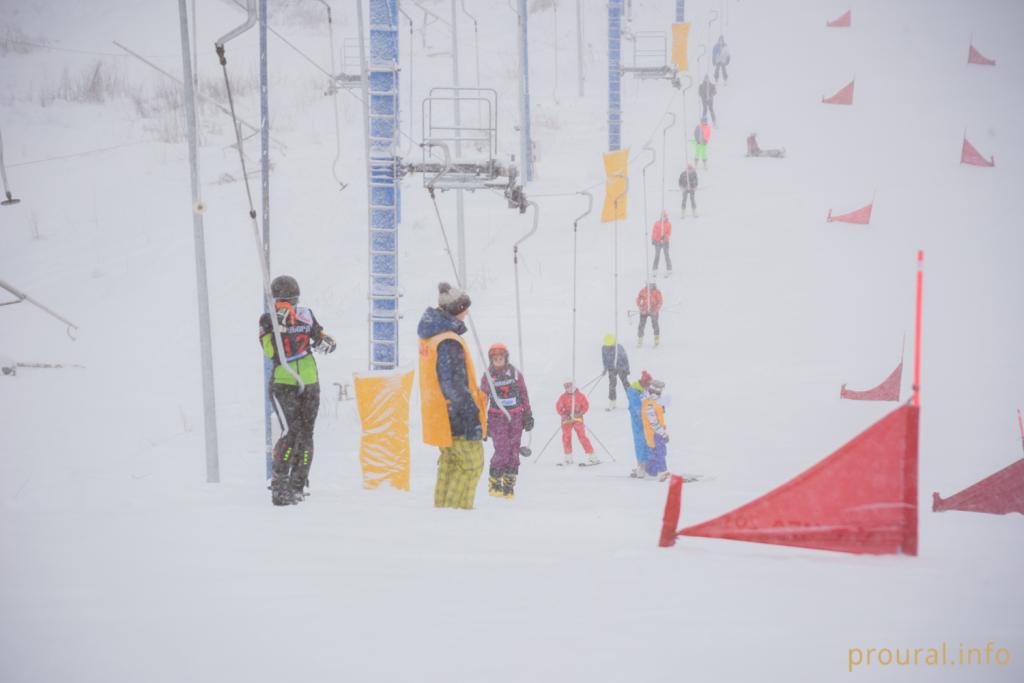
<point x="616" y="168"/>
<point x="383" y="402"/>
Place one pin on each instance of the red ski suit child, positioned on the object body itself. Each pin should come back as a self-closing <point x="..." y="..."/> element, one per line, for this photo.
<point x="573" y="420"/>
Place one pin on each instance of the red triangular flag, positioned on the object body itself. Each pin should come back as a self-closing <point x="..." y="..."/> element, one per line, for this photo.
<point x="999" y="494"/>
<point x="840" y="22"/>
<point x="889" y="390"/>
<point x="970" y="155"/>
<point x="861" y="216"/>
<point x="975" y="57"/>
<point x="861" y="499"/>
<point x="844" y="96"/>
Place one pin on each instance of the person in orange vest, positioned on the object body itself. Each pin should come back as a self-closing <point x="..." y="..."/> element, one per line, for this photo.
<point x="654" y="431"/>
<point x="660" y="237"/>
<point x="571" y="407"/>
<point x="648" y="302"/>
<point x="452" y="406"/>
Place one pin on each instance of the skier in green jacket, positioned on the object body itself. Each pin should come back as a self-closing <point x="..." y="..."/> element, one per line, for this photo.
<point x="296" y="405"/>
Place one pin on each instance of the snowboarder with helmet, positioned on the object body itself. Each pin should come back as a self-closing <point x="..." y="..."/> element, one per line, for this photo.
<point x="571" y="407"/>
<point x="294" y="387"/>
<point x="660" y="236"/>
<point x="648" y="302"/>
<point x="655" y="433"/>
<point x="453" y="409"/>
<point x="506" y="433"/>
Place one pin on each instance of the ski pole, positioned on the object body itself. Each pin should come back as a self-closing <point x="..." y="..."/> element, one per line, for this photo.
<point x="591" y="432"/>
<point x="546" y="444"/>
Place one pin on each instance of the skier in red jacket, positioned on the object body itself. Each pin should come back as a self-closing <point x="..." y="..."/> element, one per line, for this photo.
<point x="648" y="302"/>
<point x="571" y="407"/>
<point x="660" y="237"/>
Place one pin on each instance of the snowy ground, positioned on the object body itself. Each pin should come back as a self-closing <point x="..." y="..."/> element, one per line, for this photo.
<point x="119" y="563"/>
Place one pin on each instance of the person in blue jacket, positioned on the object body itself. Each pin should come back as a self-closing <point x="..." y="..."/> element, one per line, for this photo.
<point x="616" y="366"/>
<point x="635" y="395"/>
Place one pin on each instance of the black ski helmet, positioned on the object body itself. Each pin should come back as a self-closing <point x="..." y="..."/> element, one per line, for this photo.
<point x="284" y="287"/>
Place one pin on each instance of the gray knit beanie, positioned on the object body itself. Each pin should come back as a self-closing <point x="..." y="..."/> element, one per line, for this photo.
<point x="452" y="300"/>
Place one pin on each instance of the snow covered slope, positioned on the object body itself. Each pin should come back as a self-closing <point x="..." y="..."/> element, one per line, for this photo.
<point x="118" y="561"/>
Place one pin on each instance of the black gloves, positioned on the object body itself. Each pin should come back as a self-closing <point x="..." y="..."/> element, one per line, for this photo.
<point x="528" y="420"/>
<point x="266" y="327"/>
<point x="326" y="344"/>
<point x="475" y="434"/>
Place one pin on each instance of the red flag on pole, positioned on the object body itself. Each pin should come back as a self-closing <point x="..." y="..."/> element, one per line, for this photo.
<point x="998" y="494"/>
<point x="889" y="390"/>
<point x="975" y="57"/>
<point x="861" y="216"/>
<point x="840" y="22"/>
<point x="843" y="96"/>
<point x="861" y="499"/>
<point x="971" y="156"/>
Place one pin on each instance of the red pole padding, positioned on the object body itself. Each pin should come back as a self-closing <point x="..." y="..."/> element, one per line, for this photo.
<point x="917" y="330"/>
<point x="670" y="522"/>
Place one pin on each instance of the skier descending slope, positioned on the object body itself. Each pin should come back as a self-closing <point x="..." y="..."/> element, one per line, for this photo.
<point x="453" y="409"/>
<point x="635" y="394"/>
<point x="654" y="431"/>
<point x="505" y="433"/>
<point x="296" y="407"/>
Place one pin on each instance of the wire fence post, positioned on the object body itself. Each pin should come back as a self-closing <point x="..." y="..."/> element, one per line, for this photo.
<point x="205" y="345"/>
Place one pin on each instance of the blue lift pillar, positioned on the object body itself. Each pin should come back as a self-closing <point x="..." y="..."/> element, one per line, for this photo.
<point x="384" y="199"/>
<point x="614" y="75"/>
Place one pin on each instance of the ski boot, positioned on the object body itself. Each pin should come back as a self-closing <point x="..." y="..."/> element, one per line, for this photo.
<point x="662" y="476"/>
<point x="592" y="459"/>
<point x="494" y="483"/>
<point x="657" y="340"/>
<point x="611" y="405"/>
<point x="568" y="460"/>
<point x="508" y="485"/>
<point x="640" y="342"/>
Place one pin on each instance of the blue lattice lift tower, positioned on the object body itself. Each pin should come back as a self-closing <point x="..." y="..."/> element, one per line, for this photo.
<point x="614" y="75"/>
<point x="381" y="108"/>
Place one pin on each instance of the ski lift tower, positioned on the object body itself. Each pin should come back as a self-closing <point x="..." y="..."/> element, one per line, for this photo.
<point x="379" y="81"/>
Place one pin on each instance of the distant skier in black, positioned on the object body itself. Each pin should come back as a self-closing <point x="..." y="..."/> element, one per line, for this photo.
<point x="296" y="407"/>
<point x="707" y="92"/>
<point x="688" y="186"/>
